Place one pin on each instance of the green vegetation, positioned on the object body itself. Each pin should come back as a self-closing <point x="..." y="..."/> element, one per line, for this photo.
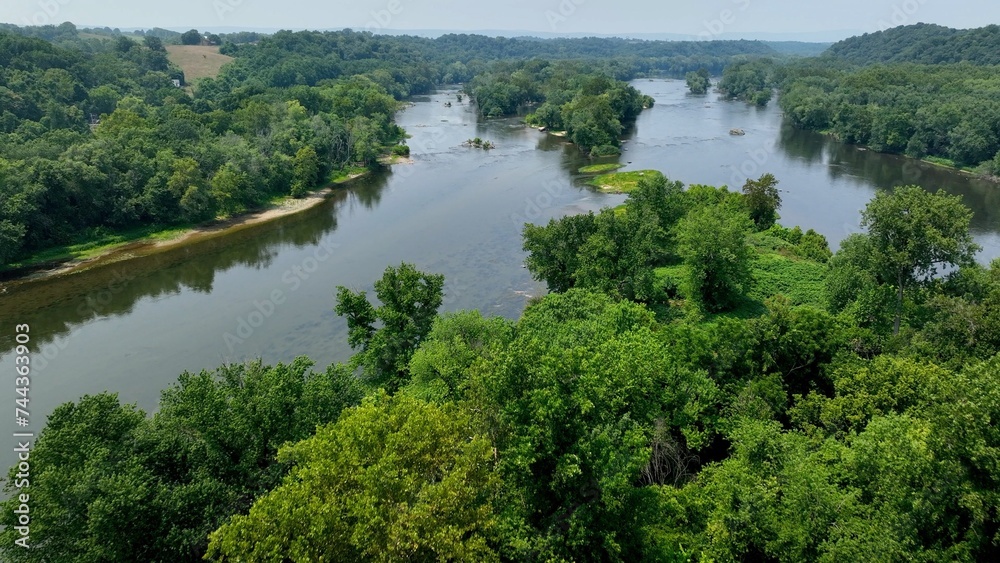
<point x="479" y="144"/>
<point x="85" y="155"/>
<point x="591" y="107"/>
<point x="600" y="168"/>
<point x="621" y="182"/>
<point x="698" y="81"/>
<point x="110" y="484"/>
<point x="763" y="201"/>
<point x="921" y="43"/>
<point x="693" y="389"/>
<point x="946" y="114"/>
<point x="702" y="384"/>
<point x="749" y="80"/>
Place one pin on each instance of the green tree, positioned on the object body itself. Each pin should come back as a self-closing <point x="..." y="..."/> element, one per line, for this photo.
<point x="108" y="484"/>
<point x="396" y="479"/>
<point x="698" y="81"/>
<point x="191" y="37"/>
<point x="305" y="171"/>
<point x="574" y="402"/>
<point x="457" y="342"/>
<point x="619" y="257"/>
<point x="763" y="200"/>
<point x="914" y="233"/>
<point x="410" y="300"/>
<point x="713" y="244"/>
<point x="553" y="250"/>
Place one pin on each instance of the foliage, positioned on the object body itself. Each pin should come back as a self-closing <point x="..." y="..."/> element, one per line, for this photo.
<point x="913" y="234"/>
<point x="109" y="484"/>
<point x="762" y="200"/>
<point x="103" y="142"/>
<point x="594" y="428"/>
<point x="600" y="168"/>
<point x="591" y="107"/>
<point x="942" y="112"/>
<point x="621" y="182"/>
<point x="410" y="300"/>
<point x="921" y="43"/>
<point x="698" y="81"/>
<point x="553" y="251"/>
<point x="411" y="466"/>
<point x="191" y="37"/>
<point x="713" y="243"/>
<point x="574" y="401"/>
<point x="749" y="80"/>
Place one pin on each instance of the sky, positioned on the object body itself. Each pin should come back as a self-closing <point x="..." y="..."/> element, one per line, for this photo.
<point x="706" y="19"/>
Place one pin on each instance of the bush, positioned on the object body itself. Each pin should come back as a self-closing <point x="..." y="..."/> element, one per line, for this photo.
<point x="401" y="150"/>
<point x="605" y="150"/>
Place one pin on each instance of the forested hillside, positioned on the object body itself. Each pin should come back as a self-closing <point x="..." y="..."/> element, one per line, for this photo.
<point x="744" y="396"/>
<point x="925" y="91"/>
<point x="945" y="112"/>
<point x="921" y="43"/>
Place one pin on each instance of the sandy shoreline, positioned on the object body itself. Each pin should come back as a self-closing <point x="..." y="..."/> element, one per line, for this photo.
<point x="125" y="250"/>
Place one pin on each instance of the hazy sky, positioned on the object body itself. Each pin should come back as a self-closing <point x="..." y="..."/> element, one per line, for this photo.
<point x="707" y="18"/>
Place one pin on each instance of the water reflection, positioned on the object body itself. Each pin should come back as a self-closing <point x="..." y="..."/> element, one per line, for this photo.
<point x="54" y="307"/>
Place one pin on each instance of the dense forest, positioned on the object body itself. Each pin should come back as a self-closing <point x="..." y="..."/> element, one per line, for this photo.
<point x="98" y="142"/>
<point x="921" y="43"/>
<point x="751" y="81"/>
<point x="747" y="396"/>
<point x="948" y="112"/>
<point x="588" y="105"/>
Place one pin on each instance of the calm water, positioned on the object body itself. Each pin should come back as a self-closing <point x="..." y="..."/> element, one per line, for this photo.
<point x="267" y="291"/>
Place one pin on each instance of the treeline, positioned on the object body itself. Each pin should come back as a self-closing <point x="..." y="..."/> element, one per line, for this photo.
<point x="761" y="400"/>
<point x="591" y="107"/>
<point x="923" y="44"/>
<point x="287" y="58"/>
<point x="96" y="143"/>
<point x="946" y="112"/>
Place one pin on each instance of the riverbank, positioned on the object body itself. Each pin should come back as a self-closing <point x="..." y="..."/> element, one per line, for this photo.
<point x="939" y="162"/>
<point x="144" y="243"/>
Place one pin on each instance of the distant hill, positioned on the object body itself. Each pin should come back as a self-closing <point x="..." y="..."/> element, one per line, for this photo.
<point x="922" y="43"/>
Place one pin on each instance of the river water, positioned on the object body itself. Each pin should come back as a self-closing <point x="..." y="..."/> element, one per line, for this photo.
<point x="268" y="290"/>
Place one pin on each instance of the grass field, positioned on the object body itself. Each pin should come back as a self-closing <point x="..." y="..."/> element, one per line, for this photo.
<point x="197" y="61"/>
<point x="600" y="168"/>
<point x="620" y="182"/>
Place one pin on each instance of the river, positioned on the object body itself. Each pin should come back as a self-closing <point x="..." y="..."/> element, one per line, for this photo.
<point x="268" y="290"/>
